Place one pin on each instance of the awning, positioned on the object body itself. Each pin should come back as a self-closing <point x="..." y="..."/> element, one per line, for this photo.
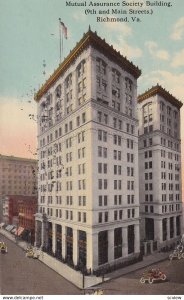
<point x="13" y="228"/>
<point x="7" y="227"/>
<point x="10" y="227"/>
<point x="19" y="231"/>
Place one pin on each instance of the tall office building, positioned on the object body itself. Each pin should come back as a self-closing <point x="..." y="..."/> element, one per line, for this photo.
<point x="88" y="205"/>
<point x="160" y="166"/>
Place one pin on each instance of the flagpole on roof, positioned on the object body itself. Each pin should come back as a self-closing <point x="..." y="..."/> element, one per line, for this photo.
<point x="64" y="33"/>
<point x="60" y="40"/>
<point x="62" y="44"/>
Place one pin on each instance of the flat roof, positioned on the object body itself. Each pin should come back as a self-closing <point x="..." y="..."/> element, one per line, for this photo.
<point x="89" y="38"/>
<point x="159" y="90"/>
<point x="11" y="157"/>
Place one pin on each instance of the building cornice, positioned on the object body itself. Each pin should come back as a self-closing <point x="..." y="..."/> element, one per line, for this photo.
<point x="6" y="157"/>
<point x="159" y="90"/>
<point x="89" y="39"/>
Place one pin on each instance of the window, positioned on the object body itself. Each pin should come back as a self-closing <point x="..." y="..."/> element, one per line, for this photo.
<point x="100" y="66"/>
<point x="78" y="121"/>
<point x="105" y="119"/>
<point x="84" y="217"/>
<point x="106" y="216"/>
<point x="100" y="200"/>
<point x="100" y="184"/>
<point x="99" y="116"/>
<point x="100" y="217"/>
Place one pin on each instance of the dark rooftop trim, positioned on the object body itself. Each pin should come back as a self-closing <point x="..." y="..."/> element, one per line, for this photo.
<point x="159" y="90"/>
<point x="11" y="157"/>
<point x="90" y="38"/>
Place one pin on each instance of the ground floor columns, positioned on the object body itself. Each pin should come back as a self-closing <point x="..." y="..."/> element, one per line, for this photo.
<point x="53" y="238"/>
<point x="110" y="245"/>
<point x="168" y="228"/>
<point x="37" y="238"/>
<point x="75" y="247"/>
<point x="181" y="224"/>
<point x="137" y="238"/>
<point x="44" y="237"/>
<point x="158" y="230"/>
<point x="63" y="241"/>
<point x="92" y="251"/>
<point x="125" y="241"/>
<point x="174" y="221"/>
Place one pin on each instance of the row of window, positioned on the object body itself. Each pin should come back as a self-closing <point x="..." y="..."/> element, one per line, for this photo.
<point x="102" y="200"/>
<point x="59" y="132"/>
<point x="175" y="146"/>
<point x="170" y="208"/>
<point x="149" y="197"/>
<point x="103" y="217"/>
<point x="101" y="68"/>
<point x="168" y="109"/>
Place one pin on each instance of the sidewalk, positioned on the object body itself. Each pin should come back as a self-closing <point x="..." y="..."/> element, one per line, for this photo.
<point x="146" y="262"/>
<point x="93" y="280"/>
<point x="11" y="237"/>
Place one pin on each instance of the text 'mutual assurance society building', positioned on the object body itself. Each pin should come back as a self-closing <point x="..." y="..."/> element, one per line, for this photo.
<point x="88" y="205"/>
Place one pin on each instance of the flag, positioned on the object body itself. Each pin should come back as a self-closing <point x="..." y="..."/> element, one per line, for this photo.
<point x="64" y="28"/>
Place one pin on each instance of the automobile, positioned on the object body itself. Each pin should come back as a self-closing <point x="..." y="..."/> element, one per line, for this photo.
<point x="177" y="253"/>
<point x="153" y="275"/>
<point x="29" y="248"/>
<point x="93" y="291"/>
<point x="3" y="248"/>
<point x="32" y="253"/>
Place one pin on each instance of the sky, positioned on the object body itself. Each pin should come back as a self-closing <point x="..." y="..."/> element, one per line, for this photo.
<point x="29" y="33"/>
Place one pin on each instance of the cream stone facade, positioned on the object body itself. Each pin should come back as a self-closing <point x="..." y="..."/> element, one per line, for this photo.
<point x="160" y="167"/>
<point x="88" y="204"/>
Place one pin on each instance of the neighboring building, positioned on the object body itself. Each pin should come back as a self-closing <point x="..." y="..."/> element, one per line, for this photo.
<point x="5" y="211"/>
<point x="160" y="166"/>
<point x="20" y="211"/>
<point x="27" y="208"/>
<point x="88" y="204"/>
<point x="18" y="176"/>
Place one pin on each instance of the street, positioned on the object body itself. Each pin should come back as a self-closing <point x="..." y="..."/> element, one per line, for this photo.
<point x="130" y="284"/>
<point x="20" y="275"/>
<point x="25" y="276"/>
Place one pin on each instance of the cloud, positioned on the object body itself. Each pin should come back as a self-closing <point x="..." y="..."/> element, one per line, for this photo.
<point x="155" y="52"/>
<point x="172" y="82"/>
<point x="120" y="32"/>
<point x="79" y="16"/>
<point x="178" y="59"/>
<point x="178" y="30"/>
<point x="126" y="49"/>
<point x="123" y="28"/>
